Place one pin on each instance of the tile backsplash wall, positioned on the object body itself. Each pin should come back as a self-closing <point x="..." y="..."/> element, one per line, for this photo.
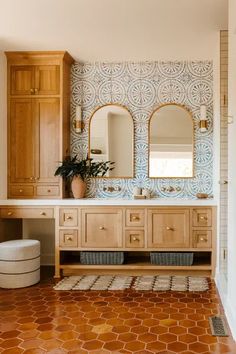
<point x="142" y="87"/>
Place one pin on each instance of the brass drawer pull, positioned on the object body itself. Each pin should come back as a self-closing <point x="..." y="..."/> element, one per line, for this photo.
<point x="10" y="213"/>
<point x="134" y="238"/>
<point x="42" y="213"/>
<point x="69" y="218"/>
<point x="32" y="91"/>
<point x="203" y="239"/>
<point x="69" y="238"/>
<point x="101" y="228"/>
<point x="21" y="190"/>
<point x="203" y="217"/>
<point x="135" y="218"/>
<point x="168" y="228"/>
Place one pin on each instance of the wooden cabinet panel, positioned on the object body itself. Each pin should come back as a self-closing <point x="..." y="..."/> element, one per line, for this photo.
<point x="68" y="217"/>
<point x="47" y="118"/>
<point x="135" y="217"/>
<point x="22" y="80"/>
<point x="168" y="228"/>
<point x="102" y="228"/>
<point x="22" y="141"/>
<point x="202" y="217"/>
<point x="68" y="238"/>
<point x="27" y="213"/>
<point x="20" y="191"/>
<point x="47" y="80"/>
<point x="134" y="238"/>
<point x="47" y="191"/>
<point x="202" y="238"/>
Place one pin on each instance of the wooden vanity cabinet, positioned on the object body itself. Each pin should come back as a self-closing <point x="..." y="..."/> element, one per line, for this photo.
<point x="38" y="122"/>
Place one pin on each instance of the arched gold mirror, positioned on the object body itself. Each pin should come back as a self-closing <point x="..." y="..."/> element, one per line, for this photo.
<point x="171" y="142"/>
<point x="111" y="135"/>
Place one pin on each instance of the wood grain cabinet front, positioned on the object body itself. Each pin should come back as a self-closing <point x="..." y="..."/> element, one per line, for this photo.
<point x="202" y="217"/>
<point x="27" y="213"/>
<point x="68" y="217"/>
<point x="202" y="238"/>
<point x="135" y="217"/>
<point x="68" y="238"/>
<point x="134" y="238"/>
<point x="102" y="228"/>
<point x="168" y="228"/>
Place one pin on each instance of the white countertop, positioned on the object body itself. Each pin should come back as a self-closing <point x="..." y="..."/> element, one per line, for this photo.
<point x="110" y="201"/>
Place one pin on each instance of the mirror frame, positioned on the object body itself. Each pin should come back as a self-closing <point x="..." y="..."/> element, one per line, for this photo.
<point x="89" y="130"/>
<point x="149" y="137"/>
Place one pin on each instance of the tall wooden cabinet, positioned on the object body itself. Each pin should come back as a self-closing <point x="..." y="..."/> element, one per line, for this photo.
<point x="38" y="122"/>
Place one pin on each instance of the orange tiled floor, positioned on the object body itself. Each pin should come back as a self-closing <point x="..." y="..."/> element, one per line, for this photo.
<point x="40" y="320"/>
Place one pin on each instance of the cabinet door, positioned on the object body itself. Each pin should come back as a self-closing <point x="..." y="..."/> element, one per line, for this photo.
<point x="102" y="228"/>
<point x="22" y="141"/>
<point x="47" y="116"/>
<point x="47" y="80"/>
<point x="168" y="228"/>
<point x="22" y="80"/>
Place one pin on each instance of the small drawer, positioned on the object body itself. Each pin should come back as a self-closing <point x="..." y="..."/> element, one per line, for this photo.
<point x="135" y="217"/>
<point x="68" y="238"/>
<point x="47" y="191"/>
<point x="202" y="239"/>
<point x="202" y="217"/>
<point x="27" y="213"/>
<point x="134" y="238"/>
<point x="21" y="191"/>
<point x="68" y="217"/>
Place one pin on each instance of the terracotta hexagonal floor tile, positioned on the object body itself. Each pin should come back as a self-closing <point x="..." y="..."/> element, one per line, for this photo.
<point x="107" y="337"/>
<point x="156" y="346"/>
<point x="113" y="345"/>
<point x="10" y="343"/>
<point x="198" y="347"/>
<point x="167" y="338"/>
<point x="147" y="337"/>
<point x="74" y="344"/>
<point x="177" y="347"/>
<point x="178" y="330"/>
<point x="139" y="329"/>
<point x="127" y="337"/>
<point x="121" y="329"/>
<point x="158" y="330"/>
<point x="188" y="338"/>
<point x="197" y="330"/>
<point x="13" y="351"/>
<point x="134" y="346"/>
<point x="92" y="345"/>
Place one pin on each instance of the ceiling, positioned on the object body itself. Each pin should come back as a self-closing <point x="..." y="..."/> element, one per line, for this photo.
<point x="112" y="30"/>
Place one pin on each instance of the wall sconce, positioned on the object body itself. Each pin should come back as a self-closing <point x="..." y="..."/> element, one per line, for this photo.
<point x="203" y="119"/>
<point x="77" y="123"/>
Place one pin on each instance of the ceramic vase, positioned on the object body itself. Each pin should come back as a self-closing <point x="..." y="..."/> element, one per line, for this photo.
<point x="78" y="187"/>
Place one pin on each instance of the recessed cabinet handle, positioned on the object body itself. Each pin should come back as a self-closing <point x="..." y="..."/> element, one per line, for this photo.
<point x="101" y="228"/>
<point x="10" y="213"/>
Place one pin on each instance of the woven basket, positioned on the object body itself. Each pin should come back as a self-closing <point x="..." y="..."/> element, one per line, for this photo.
<point x="101" y="257"/>
<point x="172" y="258"/>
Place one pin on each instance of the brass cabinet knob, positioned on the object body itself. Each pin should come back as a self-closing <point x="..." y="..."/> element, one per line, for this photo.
<point x="31" y="91"/>
<point x="49" y="190"/>
<point x="203" y="217"/>
<point x="21" y="190"/>
<point x="10" y="213"/>
<point x="32" y="178"/>
<point x="69" y="238"/>
<point x="203" y="239"/>
<point x="69" y="218"/>
<point x="101" y="228"/>
<point x="36" y="90"/>
<point x="42" y="213"/>
<point x="134" y="238"/>
<point x="168" y="228"/>
<point x="135" y="218"/>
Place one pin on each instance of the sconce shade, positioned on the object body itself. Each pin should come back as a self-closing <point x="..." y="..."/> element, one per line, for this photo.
<point x="78" y="120"/>
<point x="203" y="119"/>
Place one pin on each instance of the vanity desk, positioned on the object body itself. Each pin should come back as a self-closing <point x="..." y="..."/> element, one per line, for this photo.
<point x="136" y="227"/>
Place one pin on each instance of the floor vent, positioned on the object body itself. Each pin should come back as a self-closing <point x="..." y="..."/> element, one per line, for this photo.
<point x="218" y="327"/>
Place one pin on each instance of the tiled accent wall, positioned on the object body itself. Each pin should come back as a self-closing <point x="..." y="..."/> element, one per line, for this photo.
<point x="223" y="150"/>
<point x="142" y="87"/>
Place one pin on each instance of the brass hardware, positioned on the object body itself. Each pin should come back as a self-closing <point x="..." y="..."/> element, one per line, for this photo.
<point x="32" y="178"/>
<point x="49" y="190"/>
<point x="203" y="125"/>
<point x="42" y="213"/>
<point x="69" y="238"/>
<point x="203" y="217"/>
<point x="69" y="218"/>
<point x="21" y="190"/>
<point x="31" y="91"/>
<point x="203" y="239"/>
<point x="135" y="218"/>
<point x="36" y="90"/>
<point x="134" y="238"/>
<point x="78" y="125"/>
<point x="223" y="182"/>
<point x="10" y="213"/>
<point x="168" y="228"/>
<point x="101" y="228"/>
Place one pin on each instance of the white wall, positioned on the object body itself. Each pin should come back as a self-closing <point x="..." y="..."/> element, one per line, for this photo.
<point x="229" y="299"/>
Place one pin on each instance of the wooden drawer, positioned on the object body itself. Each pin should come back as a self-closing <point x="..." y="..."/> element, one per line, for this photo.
<point x="202" y="217"/>
<point x="47" y="191"/>
<point x="68" y="217"/>
<point x="134" y="217"/>
<point x="21" y="191"/>
<point x="202" y="238"/>
<point x="68" y="238"/>
<point x="27" y="213"/>
<point x="134" y="238"/>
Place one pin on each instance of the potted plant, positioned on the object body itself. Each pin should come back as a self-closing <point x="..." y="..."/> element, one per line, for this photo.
<point x="78" y="171"/>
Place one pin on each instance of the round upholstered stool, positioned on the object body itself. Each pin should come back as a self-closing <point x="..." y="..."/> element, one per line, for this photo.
<point x="19" y="263"/>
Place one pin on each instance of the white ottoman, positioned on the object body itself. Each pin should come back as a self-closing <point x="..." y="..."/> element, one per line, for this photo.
<point x="19" y="263"/>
